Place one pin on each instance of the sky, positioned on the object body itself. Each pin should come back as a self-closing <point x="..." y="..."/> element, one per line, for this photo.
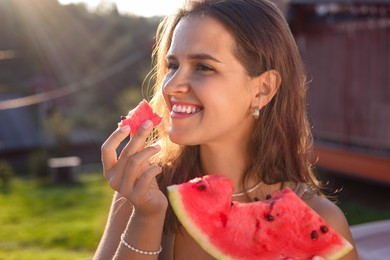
<point x="146" y="8"/>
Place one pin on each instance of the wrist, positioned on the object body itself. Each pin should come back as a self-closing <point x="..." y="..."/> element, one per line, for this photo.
<point x="142" y="218"/>
<point x="143" y="233"/>
<point x="139" y="251"/>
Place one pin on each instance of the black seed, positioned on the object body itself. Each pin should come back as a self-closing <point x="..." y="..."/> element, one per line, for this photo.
<point x="256" y="199"/>
<point x="314" y="235"/>
<point x="324" y="229"/>
<point x="123" y="117"/>
<point x="268" y="196"/>
<point x="201" y="186"/>
<point x="231" y="203"/>
<point x="269" y="217"/>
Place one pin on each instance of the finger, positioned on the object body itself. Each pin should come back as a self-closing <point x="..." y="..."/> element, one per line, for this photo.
<point x="138" y="141"/>
<point x="146" y="180"/>
<point x="108" y="149"/>
<point x="137" y="164"/>
<point x="124" y="173"/>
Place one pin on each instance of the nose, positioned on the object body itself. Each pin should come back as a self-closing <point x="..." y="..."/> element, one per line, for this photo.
<point x="176" y="83"/>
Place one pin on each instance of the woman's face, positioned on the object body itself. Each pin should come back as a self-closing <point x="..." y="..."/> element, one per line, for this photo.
<point x="206" y="88"/>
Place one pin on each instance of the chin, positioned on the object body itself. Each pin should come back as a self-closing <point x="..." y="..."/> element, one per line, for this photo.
<point x="181" y="139"/>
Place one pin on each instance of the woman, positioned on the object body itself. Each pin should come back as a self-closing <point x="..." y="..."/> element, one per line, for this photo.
<point x="230" y="85"/>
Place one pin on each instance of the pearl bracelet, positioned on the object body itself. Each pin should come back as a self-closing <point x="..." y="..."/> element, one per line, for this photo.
<point x="138" y="250"/>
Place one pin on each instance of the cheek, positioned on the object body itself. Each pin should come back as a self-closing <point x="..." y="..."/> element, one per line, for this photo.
<point x="163" y="91"/>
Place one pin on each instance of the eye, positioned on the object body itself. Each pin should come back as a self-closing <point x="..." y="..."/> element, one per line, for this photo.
<point x="172" y="66"/>
<point x="202" y="67"/>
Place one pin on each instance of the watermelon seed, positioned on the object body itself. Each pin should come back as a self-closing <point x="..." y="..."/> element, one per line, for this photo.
<point x="201" y="185"/>
<point x="269" y="218"/>
<point x="314" y="235"/>
<point x="231" y="204"/>
<point x="123" y="117"/>
<point x="324" y="229"/>
<point x="268" y="196"/>
<point x="256" y="199"/>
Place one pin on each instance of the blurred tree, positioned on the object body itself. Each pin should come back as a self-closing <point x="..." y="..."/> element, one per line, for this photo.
<point x="68" y="43"/>
<point x="59" y="127"/>
<point x="128" y="100"/>
<point x="6" y="174"/>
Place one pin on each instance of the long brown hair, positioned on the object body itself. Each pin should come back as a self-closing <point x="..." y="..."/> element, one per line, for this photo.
<point x="281" y="142"/>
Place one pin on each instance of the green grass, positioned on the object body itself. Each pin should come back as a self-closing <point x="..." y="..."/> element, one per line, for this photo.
<point x="53" y="221"/>
<point x="361" y="201"/>
<point x="357" y="213"/>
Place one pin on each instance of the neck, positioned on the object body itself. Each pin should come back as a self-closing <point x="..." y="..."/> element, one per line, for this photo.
<point x="227" y="160"/>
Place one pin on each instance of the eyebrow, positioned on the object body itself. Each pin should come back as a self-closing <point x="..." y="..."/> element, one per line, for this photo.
<point x="198" y="56"/>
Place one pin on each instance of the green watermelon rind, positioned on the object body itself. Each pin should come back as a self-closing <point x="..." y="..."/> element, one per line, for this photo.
<point x="178" y="207"/>
<point x="202" y="239"/>
<point x="341" y="251"/>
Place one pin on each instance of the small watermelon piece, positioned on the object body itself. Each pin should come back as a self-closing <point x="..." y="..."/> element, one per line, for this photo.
<point x="138" y="115"/>
<point x="282" y="227"/>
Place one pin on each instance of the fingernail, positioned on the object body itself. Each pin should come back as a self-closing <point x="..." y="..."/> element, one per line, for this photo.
<point x="147" y="124"/>
<point x="125" y="129"/>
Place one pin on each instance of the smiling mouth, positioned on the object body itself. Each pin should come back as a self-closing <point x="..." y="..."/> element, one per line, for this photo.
<point x="185" y="109"/>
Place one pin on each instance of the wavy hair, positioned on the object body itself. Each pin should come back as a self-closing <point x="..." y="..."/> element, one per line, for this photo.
<point x="281" y="142"/>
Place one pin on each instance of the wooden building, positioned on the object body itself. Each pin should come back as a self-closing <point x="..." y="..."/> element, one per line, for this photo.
<point x="345" y="45"/>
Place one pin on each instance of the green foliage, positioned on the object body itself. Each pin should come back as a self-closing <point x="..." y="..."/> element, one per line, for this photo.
<point x="53" y="222"/>
<point x="59" y="127"/>
<point x="357" y="213"/>
<point x="38" y="165"/>
<point x="66" y="53"/>
<point x="128" y="99"/>
<point x="6" y="174"/>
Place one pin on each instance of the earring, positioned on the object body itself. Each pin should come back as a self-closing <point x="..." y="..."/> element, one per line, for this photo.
<point x="256" y="114"/>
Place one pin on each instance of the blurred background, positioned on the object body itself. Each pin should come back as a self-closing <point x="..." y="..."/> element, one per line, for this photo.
<point x="68" y="69"/>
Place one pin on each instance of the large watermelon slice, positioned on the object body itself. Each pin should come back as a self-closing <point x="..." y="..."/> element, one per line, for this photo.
<point x="282" y="227"/>
<point x="138" y="115"/>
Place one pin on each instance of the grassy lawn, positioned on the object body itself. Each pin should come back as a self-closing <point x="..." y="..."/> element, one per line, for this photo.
<point x="357" y="213"/>
<point x="43" y="222"/>
<point x="52" y="221"/>
<point x="361" y="201"/>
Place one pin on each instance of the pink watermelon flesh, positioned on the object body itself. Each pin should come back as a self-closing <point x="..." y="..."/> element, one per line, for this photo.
<point x="139" y="115"/>
<point x="282" y="227"/>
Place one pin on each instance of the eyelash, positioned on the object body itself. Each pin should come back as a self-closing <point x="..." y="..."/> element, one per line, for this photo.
<point x="203" y="67"/>
<point x="171" y="66"/>
<point x="198" y="67"/>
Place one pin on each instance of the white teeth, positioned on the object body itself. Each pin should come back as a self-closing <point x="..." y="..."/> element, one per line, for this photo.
<point x="184" y="109"/>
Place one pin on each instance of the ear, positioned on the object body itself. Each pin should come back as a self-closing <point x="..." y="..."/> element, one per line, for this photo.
<point x="264" y="88"/>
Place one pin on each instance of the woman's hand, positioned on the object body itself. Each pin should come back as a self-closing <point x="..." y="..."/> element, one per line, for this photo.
<point x="131" y="175"/>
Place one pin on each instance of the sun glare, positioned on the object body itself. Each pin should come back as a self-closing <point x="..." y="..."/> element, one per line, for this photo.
<point x="146" y="8"/>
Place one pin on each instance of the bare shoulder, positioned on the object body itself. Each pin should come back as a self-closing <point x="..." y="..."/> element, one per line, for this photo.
<point x="334" y="216"/>
<point x="329" y="211"/>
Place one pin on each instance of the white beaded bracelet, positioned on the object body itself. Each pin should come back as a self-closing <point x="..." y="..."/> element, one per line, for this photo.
<point x="138" y="250"/>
